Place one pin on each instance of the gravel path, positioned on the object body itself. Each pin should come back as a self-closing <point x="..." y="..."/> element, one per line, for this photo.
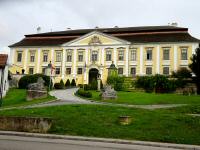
<point x="67" y="97"/>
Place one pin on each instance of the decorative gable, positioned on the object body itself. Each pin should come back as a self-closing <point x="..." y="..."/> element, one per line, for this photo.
<point x="96" y="38"/>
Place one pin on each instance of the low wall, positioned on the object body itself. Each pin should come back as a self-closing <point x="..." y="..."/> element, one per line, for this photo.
<point x="25" y="124"/>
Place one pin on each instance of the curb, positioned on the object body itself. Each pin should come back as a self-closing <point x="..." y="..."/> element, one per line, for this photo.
<point x="105" y="140"/>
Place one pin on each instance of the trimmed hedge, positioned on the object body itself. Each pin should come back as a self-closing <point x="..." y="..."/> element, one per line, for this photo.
<point x="59" y="85"/>
<point x="67" y="84"/>
<point x="73" y="83"/>
<point x="27" y="79"/>
<point x="83" y="93"/>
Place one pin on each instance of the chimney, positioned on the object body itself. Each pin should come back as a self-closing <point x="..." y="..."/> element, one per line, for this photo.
<point x="38" y="29"/>
<point x="175" y="24"/>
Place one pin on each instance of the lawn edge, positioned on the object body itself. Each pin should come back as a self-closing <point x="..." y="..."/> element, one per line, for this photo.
<point x="106" y="140"/>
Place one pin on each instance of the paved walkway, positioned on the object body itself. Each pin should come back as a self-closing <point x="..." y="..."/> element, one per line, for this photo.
<point x="67" y="97"/>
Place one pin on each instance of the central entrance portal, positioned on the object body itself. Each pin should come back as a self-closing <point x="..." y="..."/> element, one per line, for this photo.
<point x="93" y="73"/>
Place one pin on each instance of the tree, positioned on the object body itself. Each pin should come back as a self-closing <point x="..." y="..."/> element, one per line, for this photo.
<point x="195" y="67"/>
<point x="67" y="84"/>
<point x="73" y="83"/>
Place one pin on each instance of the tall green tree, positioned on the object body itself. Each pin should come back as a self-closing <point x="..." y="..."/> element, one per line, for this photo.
<point x="195" y="67"/>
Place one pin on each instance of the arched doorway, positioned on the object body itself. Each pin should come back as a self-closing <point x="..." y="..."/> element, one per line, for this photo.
<point x="93" y="73"/>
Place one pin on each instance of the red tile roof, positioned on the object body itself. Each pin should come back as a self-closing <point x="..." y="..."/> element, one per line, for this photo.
<point x="146" y="34"/>
<point x="3" y="60"/>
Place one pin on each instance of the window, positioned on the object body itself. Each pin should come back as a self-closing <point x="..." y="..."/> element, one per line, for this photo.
<point x="69" y="56"/>
<point x="149" y="70"/>
<point x="19" y="56"/>
<point x="166" y="70"/>
<point x="120" y="71"/>
<point x="31" y="70"/>
<point x="32" y="56"/>
<point x="45" y="57"/>
<point x="149" y="54"/>
<point x="57" y="70"/>
<point x="133" y="55"/>
<point x="133" y="71"/>
<point x="108" y="55"/>
<point x="58" y="56"/>
<point x="80" y="56"/>
<point x="43" y="70"/>
<point x="68" y="71"/>
<point x="165" y="54"/>
<point x="121" y="55"/>
<point x="184" y="54"/>
<point x="94" y="55"/>
<point x="80" y="70"/>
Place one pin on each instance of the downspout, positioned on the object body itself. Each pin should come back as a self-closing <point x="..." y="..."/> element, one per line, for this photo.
<point x="1" y="88"/>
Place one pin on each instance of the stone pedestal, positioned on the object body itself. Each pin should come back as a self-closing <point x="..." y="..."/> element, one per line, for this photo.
<point x="108" y="93"/>
<point x="99" y="84"/>
<point x="36" y="90"/>
<point x="35" y="94"/>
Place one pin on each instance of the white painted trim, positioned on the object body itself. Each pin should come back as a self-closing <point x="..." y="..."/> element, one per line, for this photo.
<point x="52" y="55"/>
<point x="86" y="56"/>
<point x="63" y="63"/>
<point x="96" y="32"/>
<point x="141" y="59"/>
<point x="175" y="57"/>
<point x="74" y="69"/>
<point x="38" y="61"/>
<point x="127" y="60"/>
<point x="25" y="58"/>
<point x="158" y="60"/>
<point x="115" y="56"/>
<point x="102" y="56"/>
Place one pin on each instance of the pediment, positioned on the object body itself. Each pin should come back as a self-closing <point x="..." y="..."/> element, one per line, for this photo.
<point x="96" y="38"/>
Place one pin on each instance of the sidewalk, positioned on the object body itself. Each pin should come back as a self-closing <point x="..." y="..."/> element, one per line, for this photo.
<point x="105" y="140"/>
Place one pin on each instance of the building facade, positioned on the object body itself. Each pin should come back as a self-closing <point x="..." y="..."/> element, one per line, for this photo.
<point x="4" y="83"/>
<point x="86" y="53"/>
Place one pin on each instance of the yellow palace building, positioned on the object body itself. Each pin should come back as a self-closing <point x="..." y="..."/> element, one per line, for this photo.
<point x="84" y="54"/>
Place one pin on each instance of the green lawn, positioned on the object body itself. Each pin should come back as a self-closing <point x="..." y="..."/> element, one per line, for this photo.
<point x="17" y="97"/>
<point x="169" y="125"/>
<point x="142" y="98"/>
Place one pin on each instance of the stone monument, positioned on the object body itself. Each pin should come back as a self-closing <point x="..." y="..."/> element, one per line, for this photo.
<point x="36" y="90"/>
<point x="108" y="93"/>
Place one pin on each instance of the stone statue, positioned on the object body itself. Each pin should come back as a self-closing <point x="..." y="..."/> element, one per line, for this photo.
<point x="36" y="90"/>
<point x="39" y="85"/>
<point x="108" y="93"/>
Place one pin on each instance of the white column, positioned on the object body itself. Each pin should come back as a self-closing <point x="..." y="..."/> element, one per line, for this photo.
<point x="63" y="63"/>
<point x="86" y="55"/>
<point x="38" y="61"/>
<point x="25" y="58"/>
<point x="175" y="57"/>
<point x="127" y="60"/>
<point x="52" y="55"/>
<point x="12" y="56"/>
<point x="194" y="46"/>
<point x="158" y="60"/>
<point x="74" y="69"/>
<point x="141" y="59"/>
<point x="102" y="56"/>
<point x="115" y="56"/>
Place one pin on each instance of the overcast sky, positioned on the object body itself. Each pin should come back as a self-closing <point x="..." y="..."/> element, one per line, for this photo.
<point x="20" y="17"/>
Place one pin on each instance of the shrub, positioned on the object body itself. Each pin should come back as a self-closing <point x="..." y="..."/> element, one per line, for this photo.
<point x="87" y="87"/>
<point x="116" y="82"/>
<point x="182" y="73"/>
<point x="145" y="82"/>
<point x="159" y="83"/>
<point x="73" y="83"/>
<point x="83" y="93"/>
<point x="58" y="86"/>
<point x="67" y="84"/>
<point x="62" y="84"/>
<point x="93" y="85"/>
<point x="27" y="79"/>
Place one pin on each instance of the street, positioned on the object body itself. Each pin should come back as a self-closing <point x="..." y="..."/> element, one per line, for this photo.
<point x="8" y="142"/>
